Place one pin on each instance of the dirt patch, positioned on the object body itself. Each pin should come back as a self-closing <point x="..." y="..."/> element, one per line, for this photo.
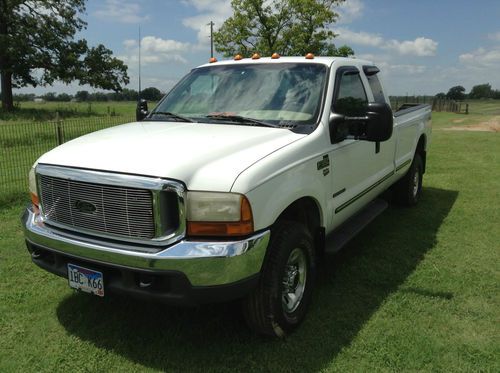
<point x="492" y="125"/>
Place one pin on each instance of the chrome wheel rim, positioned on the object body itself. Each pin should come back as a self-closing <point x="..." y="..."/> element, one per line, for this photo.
<point x="416" y="182"/>
<point x="294" y="280"/>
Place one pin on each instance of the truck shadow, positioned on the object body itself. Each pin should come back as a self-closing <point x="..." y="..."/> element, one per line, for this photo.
<point x="352" y="285"/>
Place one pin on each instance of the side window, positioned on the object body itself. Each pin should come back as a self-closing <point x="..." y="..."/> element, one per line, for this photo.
<point x="378" y="93"/>
<point x="351" y="98"/>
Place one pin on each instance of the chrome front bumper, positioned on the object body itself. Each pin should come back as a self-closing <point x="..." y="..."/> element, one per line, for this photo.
<point x="204" y="263"/>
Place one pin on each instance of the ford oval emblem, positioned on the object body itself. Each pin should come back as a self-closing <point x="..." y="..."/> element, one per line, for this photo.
<point x="85" y="207"/>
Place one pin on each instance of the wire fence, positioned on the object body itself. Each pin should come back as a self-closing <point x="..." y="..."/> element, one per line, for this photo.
<point x="21" y="143"/>
<point x="438" y="104"/>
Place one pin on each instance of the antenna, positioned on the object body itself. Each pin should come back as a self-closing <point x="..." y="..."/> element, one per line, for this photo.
<point x="139" y="95"/>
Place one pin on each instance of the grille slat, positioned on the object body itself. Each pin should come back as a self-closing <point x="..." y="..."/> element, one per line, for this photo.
<point x="116" y="210"/>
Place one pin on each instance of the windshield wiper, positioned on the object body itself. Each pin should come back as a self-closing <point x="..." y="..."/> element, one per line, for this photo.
<point x="171" y="115"/>
<point x="240" y="119"/>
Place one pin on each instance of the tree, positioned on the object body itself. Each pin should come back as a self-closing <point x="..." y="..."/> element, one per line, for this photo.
<point x="49" y="96"/>
<point x="456" y="93"/>
<point x="440" y="95"/>
<point x="151" y="94"/>
<point x="63" y="97"/>
<point x="287" y="27"/>
<point x="481" y="91"/>
<point x="37" y="47"/>
<point x="82" y="95"/>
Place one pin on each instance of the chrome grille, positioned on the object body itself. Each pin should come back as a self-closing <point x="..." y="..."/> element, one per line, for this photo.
<point x="110" y="209"/>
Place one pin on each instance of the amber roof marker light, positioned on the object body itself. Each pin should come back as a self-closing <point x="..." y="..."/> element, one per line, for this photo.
<point x="212" y="60"/>
<point x="275" y="56"/>
<point x="309" y="56"/>
<point x="255" y="56"/>
<point x="238" y="57"/>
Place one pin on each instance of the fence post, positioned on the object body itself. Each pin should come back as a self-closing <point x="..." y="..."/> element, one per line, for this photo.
<point x="466" y="108"/>
<point x="59" y="130"/>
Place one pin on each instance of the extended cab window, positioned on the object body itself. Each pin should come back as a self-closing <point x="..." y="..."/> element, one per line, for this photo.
<point x="351" y="98"/>
<point x="376" y="87"/>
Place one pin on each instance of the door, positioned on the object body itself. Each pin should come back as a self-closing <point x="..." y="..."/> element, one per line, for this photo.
<point x="360" y="169"/>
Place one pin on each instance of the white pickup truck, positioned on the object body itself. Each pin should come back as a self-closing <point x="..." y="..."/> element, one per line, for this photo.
<point x="231" y="188"/>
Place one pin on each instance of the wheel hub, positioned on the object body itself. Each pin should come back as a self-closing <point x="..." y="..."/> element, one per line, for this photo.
<point x="294" y="280"/>
<point x="416" y="182"/>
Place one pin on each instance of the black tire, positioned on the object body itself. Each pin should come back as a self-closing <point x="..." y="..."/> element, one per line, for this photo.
<point x="409" y="188"/>
<point x="265" y="309"/>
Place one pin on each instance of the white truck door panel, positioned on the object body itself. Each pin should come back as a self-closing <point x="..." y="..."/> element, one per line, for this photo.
<point x="360" y="169"/>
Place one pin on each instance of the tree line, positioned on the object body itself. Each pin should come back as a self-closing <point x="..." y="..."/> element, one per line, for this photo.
<point x="150" y="94"/>
<point x="478" y="91"/>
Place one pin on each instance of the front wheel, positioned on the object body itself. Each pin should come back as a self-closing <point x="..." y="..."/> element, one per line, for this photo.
<point x="280" y="301"/>
<point x="409" y="188"/>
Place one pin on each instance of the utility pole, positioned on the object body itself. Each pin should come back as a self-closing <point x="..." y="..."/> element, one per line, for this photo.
<point x="211" y="24"/>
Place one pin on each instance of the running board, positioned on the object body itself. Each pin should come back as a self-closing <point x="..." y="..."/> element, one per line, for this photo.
<point x="343" y="234"/>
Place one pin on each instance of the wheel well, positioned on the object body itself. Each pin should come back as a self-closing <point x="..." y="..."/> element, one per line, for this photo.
<point x="306" y="211"/>
<point x="421" y="150"/>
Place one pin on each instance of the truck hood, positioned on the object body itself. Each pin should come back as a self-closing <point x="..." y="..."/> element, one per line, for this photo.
<point x="203" y="156"/>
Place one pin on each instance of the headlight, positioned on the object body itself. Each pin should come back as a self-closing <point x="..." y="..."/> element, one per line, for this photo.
<point x="32" y="187"/>
<point x="218" y="214"/>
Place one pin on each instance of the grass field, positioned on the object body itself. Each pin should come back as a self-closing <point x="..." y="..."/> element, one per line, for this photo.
<point x="417" y="290"/>
<point x="46" y="111"/>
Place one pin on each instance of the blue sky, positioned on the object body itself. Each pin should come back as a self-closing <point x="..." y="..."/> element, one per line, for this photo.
<point x="422" y="47"/>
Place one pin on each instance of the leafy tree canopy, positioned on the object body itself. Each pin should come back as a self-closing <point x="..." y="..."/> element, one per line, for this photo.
<point x="151" y="94"/>
<point x="482" y="91"/>
<point x="287" y="27"/>
<point x="38" y="47"/>
<point x="456" y="93"/>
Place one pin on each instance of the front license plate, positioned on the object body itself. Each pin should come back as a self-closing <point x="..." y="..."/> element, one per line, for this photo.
<point x="86" y="280"/>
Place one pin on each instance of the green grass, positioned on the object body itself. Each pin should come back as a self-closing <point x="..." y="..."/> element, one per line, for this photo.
<point x="46" y="111"/>
<point x="484" y="107"/>
<point x="417" y="290"/>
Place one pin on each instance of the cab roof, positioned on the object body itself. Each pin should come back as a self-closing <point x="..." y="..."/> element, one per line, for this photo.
<point x="328" y="61"/>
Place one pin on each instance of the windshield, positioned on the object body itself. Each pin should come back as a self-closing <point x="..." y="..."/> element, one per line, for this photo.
<point x="278" y="93"/>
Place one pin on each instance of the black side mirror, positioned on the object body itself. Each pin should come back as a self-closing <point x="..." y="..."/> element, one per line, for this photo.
<point x="376" y="125"/>
<point x="380" y="122"/>
<point x="141" y="111"/>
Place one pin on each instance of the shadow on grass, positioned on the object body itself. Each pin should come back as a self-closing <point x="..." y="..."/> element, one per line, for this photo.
<point x="351" y="287"/>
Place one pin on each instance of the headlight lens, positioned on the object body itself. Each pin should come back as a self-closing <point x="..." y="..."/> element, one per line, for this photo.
<point x="207" y="206"/>
<point x="32" y="187"/>
<point x="218" y="214"/>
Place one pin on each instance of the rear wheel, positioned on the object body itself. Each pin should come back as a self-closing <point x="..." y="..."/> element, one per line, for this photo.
<point x="409" y="188"/>
<point x="279" y="303"/>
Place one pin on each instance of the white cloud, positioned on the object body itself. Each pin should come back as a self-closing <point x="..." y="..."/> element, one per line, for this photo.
<point x="154" y="50"/>
<point x="494" y="36"/>
<point x="349" y="11"/>
<point x="120" y="11"/>
<point x="210" y="10"/>
<point x="419" y="47"/>
<point x="359" y="38"/>
<point x="482" y="58"/>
